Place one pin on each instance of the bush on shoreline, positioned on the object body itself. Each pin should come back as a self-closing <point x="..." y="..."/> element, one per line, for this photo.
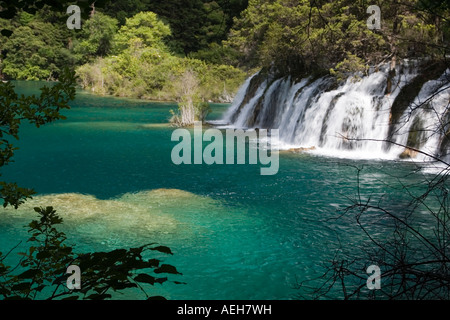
<point x="143" y="67"/>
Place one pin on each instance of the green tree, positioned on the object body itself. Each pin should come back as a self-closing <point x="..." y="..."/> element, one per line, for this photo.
<point x="186" y="18"/>
<point x="143" y="67"/>
<point x="37" y="110"/>
<point x="217" y="54"/>
<point x="121" y="10"/>
<point x="3" y="40"/>
<point x="96" y="37"/>
<point x="233" y="9"/>
<point x="195" y="24"/>
<point x="190" y="107"/>
<point x="144" y="29"/>
<point x="214" y="26"/>
<point x="35" y="51"/>
<point x="302" y="36"/>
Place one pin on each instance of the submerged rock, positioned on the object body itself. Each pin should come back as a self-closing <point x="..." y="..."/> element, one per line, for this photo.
<point x="408" y="154"/>
<point x="302" y="149"/>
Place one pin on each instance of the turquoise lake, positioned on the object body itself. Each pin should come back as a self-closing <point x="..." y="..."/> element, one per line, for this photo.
<point x="235" y="234"/>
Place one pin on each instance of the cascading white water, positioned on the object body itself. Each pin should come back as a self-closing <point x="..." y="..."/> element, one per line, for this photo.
<point x="350" y="119"/>
<point x="238" y="99"/>
<point x="248" y="109"/>
<point x="429" y="110"/>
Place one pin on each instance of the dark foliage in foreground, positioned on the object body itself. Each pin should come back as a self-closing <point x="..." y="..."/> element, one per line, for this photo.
<point x="35" y="109"/>
<point x="41" y="272"/>
<point x="409" y="241"/>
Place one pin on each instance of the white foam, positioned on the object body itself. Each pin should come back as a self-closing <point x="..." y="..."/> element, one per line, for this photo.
<point x="349" y="121"/>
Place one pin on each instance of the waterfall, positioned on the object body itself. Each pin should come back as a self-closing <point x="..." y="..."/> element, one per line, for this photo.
<point x="238" y="99"/>
<point x="407" y="105"/>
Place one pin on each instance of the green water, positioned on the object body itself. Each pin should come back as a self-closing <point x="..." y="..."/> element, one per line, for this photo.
<point x="235" y="234"/>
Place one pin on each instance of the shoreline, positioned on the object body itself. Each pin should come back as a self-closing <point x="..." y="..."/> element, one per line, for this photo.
<point x="90" y="92"/>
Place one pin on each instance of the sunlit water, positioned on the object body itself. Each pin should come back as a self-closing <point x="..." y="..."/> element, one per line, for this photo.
<point x="235" y="234"/>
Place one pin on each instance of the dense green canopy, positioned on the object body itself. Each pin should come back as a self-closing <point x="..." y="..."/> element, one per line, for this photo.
<point x="295" y="36"/>
<point x="307" y="35"/>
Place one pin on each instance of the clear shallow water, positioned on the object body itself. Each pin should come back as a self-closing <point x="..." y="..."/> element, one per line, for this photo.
<point x="235" y="234"/>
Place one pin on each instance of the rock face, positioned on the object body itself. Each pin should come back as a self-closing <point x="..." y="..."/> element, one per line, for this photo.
<point x="378" y="114"/>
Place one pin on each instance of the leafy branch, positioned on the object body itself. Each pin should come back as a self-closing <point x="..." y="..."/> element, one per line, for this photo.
<point x="43" y="267"/>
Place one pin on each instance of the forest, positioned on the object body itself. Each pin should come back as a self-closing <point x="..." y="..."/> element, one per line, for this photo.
<point x="313" y="69"/>
<point x="146" y="49"/>
<point x="137" y="49"/>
